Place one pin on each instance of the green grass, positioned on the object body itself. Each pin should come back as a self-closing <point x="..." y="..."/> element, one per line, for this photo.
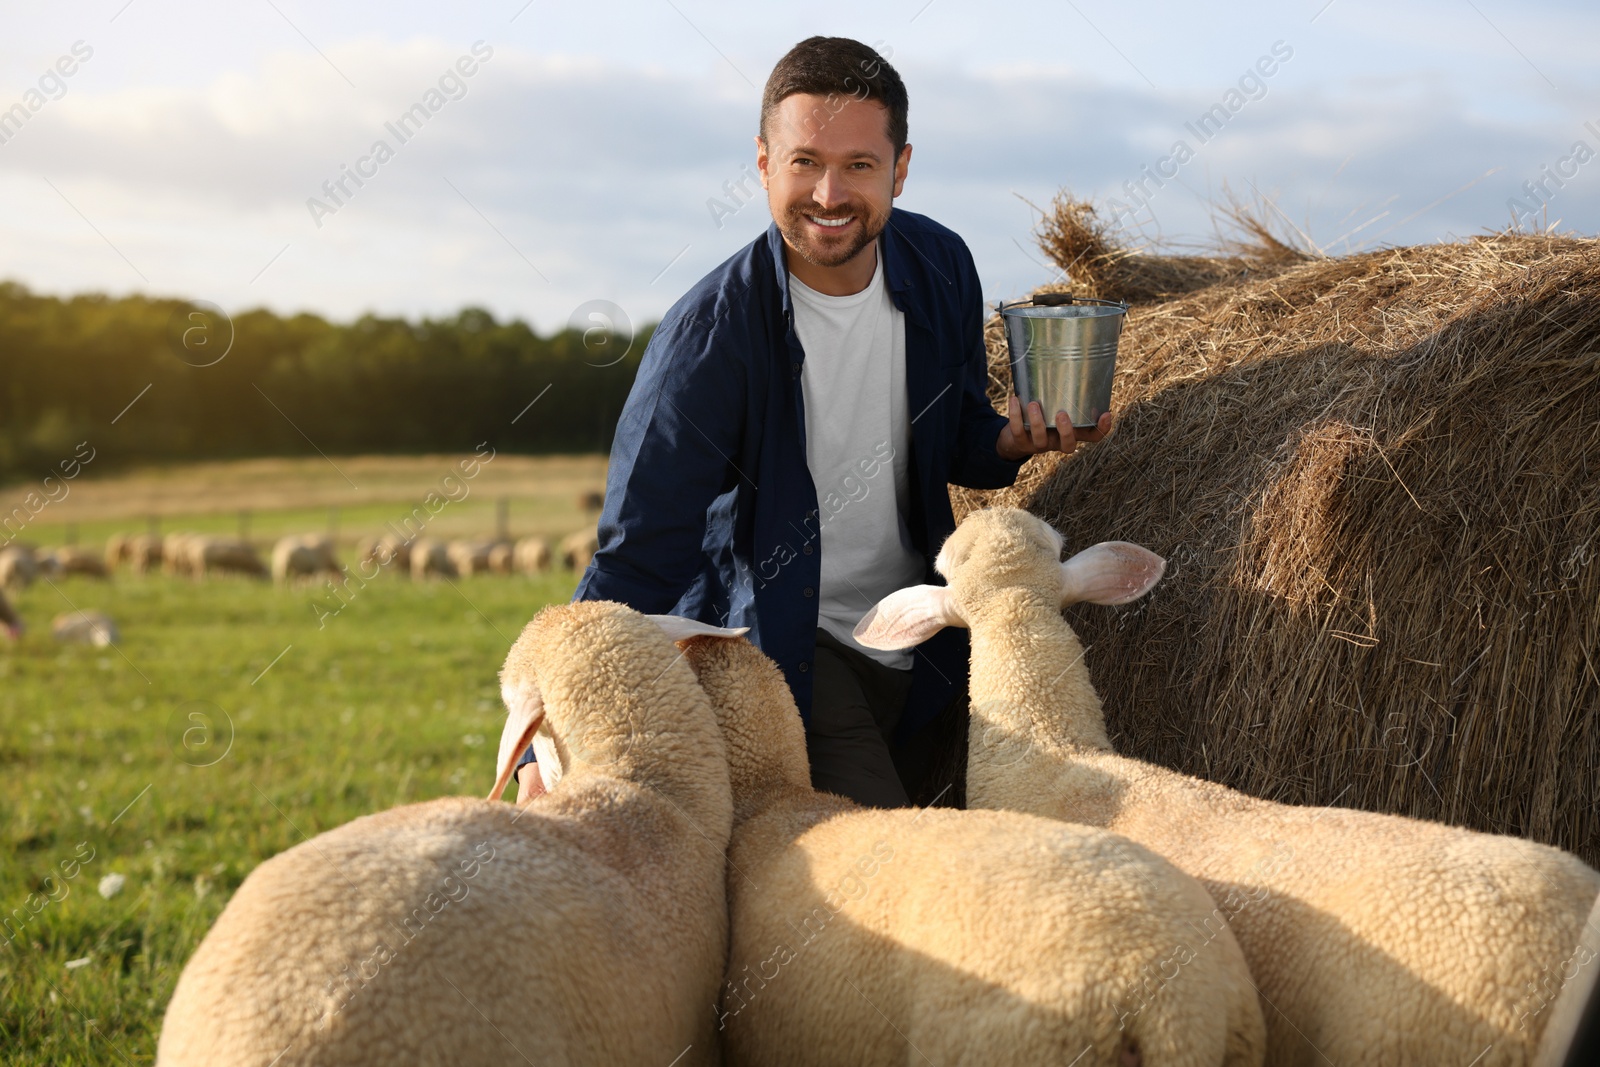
<point x="393" y="700"/>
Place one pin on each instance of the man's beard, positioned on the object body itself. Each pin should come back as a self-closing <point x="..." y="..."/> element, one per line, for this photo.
<point x="797" y="232"/>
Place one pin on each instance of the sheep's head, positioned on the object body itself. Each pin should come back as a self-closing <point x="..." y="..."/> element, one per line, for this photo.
<point x="1007" y="548"/>
<point x="584" y="682"/>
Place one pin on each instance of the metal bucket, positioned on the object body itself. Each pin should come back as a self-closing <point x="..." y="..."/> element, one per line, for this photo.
<point x="1064" y="353"/>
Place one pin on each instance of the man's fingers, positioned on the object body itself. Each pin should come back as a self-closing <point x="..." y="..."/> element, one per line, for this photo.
<point x="1037" y="430"/>
<point x="1014" y="413"/>
<point x="1068" y="439"/>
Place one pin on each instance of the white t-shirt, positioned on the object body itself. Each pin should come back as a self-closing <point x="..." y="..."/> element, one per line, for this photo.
<point x="858" y="448"/>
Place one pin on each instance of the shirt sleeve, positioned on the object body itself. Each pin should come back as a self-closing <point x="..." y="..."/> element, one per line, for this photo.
<point x="674" y="452"/>
<point x="977" y="464"/>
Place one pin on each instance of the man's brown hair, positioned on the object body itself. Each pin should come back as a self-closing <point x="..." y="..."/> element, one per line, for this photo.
<point x="836" y="68"/>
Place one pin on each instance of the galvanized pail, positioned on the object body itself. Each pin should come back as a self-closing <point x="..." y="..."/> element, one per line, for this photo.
<point x="1064" y="353"/>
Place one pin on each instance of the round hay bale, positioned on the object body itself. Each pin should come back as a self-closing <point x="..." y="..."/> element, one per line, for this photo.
<point x="1376" y="479"/>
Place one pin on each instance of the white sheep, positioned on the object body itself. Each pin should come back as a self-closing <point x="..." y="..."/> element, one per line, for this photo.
<point x="18" y="567"/>
<point x="386" y="551"/>
<point x="578" y="548"/>
<point x="85" y="628"/>
<point x="502" y="558"/>
<point x="469" y="557"/>
<point x="532" y="556"/>
<point x="948" y="937"/>
<point x="145" y="553"/>
<point x="1374" y="939"/>
<point x="303" y="557"/>
<point x="70" y="560"/>
<point x="430" y="557"/>
<point x="587" y="927"/>
<point x="10" y="621"/>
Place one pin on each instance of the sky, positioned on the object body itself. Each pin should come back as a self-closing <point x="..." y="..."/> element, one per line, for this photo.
<point x="585" y="155"/>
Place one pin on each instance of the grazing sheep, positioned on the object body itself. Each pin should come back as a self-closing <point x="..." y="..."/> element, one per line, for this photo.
<point x="176" y="558"/>
<point x="305" y="556"/>
<point x="118" y="547"/>
<point x="208" y="555"/>
<point x="948" y="937"/>
<point x="532" y="556"/>
<point x="577" y="549"/>
<point x="469" y="557"/>
<point x="10" y="621"/>
<point x="592" y="500"/>
<point x="145" y="553"/>
<point x="386" y="551"/>
<point x="85" y="628"/>
<point x="429" y="557"/>
<point x="587" y="927"/>
<point x="502" y="558"/>
<point x="63" y="562"/>
<point x="18" y="567"/>
<point x="1375" y="939"/>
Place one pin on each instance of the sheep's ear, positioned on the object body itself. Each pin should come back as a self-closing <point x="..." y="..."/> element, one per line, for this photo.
<point x="678" y="628"/>
<point x="525" y="713"/>
<point x="908" y="617"/>
<point x="1112" y="572"/>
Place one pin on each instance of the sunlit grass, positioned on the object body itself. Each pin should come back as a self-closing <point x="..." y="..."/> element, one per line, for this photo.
<point x="225" y="727"/>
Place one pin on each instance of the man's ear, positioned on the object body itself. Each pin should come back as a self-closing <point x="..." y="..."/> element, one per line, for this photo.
<point x="1112" y="572"/>
<point x="908" y="617"/>
<point x="901" y="165"/>
<point x="762" y="159"/>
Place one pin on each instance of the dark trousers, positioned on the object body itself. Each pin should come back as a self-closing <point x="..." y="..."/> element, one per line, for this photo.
<point x="856" y="704"/>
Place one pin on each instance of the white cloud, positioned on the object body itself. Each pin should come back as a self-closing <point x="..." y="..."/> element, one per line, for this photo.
<point x="597" y="171"/>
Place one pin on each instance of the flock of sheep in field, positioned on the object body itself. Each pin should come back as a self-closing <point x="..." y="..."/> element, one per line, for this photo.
<point x="678" y="892"/>
<point x="293" y="559"/>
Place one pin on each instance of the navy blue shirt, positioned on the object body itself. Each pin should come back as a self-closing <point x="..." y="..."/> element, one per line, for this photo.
<point x="710" y="511"/>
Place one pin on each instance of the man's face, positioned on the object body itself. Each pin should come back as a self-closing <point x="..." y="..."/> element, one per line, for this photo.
<point x="830" y="174"/>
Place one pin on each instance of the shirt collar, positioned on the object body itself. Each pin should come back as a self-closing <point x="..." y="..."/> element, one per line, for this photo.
<point x="897" y="253"/>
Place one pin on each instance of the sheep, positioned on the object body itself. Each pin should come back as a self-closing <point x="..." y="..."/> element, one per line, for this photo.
<point x="387" y="551"/>
<point x="589" y="926"/>
<point x="305" y="556"/>
<point x="10" y="621"/>
<point x="216" y="554"/>
<point x="942" y="936"/>
<point x="502" y="558"/>
<point x="532" y="556"/>
<point x="1375" y="939"/>
<point x="591" y="500"/>
<point x="145" y="553"/>
<point x="117" y="548"/>
<point x="577" y="549"/>
<point x="175" y="554"/>
<point x="85" y="628"/>
<point x="18" y="567"/>
<point x="71" y="560"/>
<point x="431" y="557"/>
<point x="469" y="557"/>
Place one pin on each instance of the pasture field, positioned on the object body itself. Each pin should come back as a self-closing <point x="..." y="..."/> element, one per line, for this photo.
<point x="357" y="494"/>
<point x="225" y="727"/>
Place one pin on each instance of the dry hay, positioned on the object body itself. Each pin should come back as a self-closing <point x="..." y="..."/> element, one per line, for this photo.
<point x="1376" y="479"/>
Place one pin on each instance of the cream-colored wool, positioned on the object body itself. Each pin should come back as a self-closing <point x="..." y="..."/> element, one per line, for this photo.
<point x="303" y="556"/>
<point x="864" y="936"/>
<point x="588" y="927"/>
<point x="1374" y="939"/>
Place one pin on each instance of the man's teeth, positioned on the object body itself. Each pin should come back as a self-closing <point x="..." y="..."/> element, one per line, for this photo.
<point x="830" y="222"/>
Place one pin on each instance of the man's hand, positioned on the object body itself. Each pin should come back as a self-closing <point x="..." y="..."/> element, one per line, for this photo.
<point x="1017" y="443"/>
<point x="530" y="783"/>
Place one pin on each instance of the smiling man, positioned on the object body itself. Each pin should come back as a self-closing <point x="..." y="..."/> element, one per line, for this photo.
<point x="784" y="457"/>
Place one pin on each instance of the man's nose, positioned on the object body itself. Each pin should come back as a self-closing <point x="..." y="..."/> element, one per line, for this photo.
<point x="831" y="189"/>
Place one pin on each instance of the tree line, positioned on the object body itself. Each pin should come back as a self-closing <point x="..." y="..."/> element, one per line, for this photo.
<point x="149" y="379"/>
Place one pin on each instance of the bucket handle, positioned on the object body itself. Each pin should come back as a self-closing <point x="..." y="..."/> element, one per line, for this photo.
<point x="1059" y="300"/>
